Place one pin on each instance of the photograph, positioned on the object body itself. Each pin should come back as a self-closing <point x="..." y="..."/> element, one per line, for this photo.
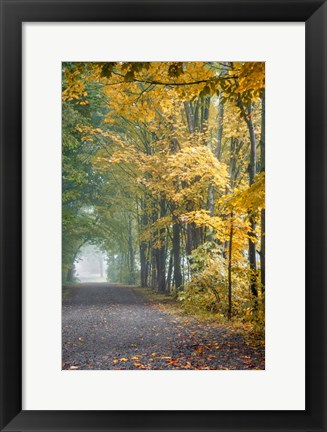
<point x="163" y="215"/>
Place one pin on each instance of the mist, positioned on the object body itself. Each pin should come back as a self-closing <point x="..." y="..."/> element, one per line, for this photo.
<point x="91" y="265"/>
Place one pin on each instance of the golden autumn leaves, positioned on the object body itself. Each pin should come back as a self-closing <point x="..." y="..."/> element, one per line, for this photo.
<point x="172" y="148"/>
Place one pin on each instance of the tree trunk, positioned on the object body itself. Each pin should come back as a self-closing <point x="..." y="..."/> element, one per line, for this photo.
<point x="263" y="133"/>
<point x="220" y="118"/>
<point x="71" y="270"/>
<point x="177" y="255"/>
<point x="189" y="239"/>
<point x="252" y="258"/>
<point x="205" y="118"/>
<point x="170" y="271"/>
<point x="253" y="143"/>
<point x="262" y="252"/>
<point x="121" y="264"/>
<point x="196" y="116"/>
<point x="161" y="253"/>
<point x="143" y="264"/>
<point x="217" y="150"/>
<point x="230" y="268"/>
<point x="131" y="257"/>
<point x="143" y="246"/>
<point x="189" y="116"/>
<point x="252" y="173"/>
<point x="153" y="270"/>
<point x="232" y="177"/>
<point x="70" y="274"/>
<point x="219" y="128"/>
<point x="263" y="212"/>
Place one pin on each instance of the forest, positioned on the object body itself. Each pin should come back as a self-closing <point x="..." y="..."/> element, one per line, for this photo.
<point x="163" y="170"/>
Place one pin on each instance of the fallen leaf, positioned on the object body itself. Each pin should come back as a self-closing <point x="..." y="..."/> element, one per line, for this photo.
<point x="139" y="365"/>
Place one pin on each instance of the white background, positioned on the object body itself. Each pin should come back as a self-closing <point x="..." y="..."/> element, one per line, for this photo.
<point x="281" y="385"/>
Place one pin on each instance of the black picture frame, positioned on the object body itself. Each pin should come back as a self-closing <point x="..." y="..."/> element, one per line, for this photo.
<point x="13" y="14"/>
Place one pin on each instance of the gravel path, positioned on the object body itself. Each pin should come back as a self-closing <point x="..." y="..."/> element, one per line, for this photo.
<point x="114" y="327"/>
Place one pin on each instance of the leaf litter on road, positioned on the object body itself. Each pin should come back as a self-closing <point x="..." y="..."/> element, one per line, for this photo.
<point x="143" y="336"/>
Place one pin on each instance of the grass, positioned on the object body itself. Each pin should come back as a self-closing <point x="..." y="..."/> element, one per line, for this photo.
<point x="66" y="289"/>
<point x="168" y="302"/>
<point x="252" y="332"/>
